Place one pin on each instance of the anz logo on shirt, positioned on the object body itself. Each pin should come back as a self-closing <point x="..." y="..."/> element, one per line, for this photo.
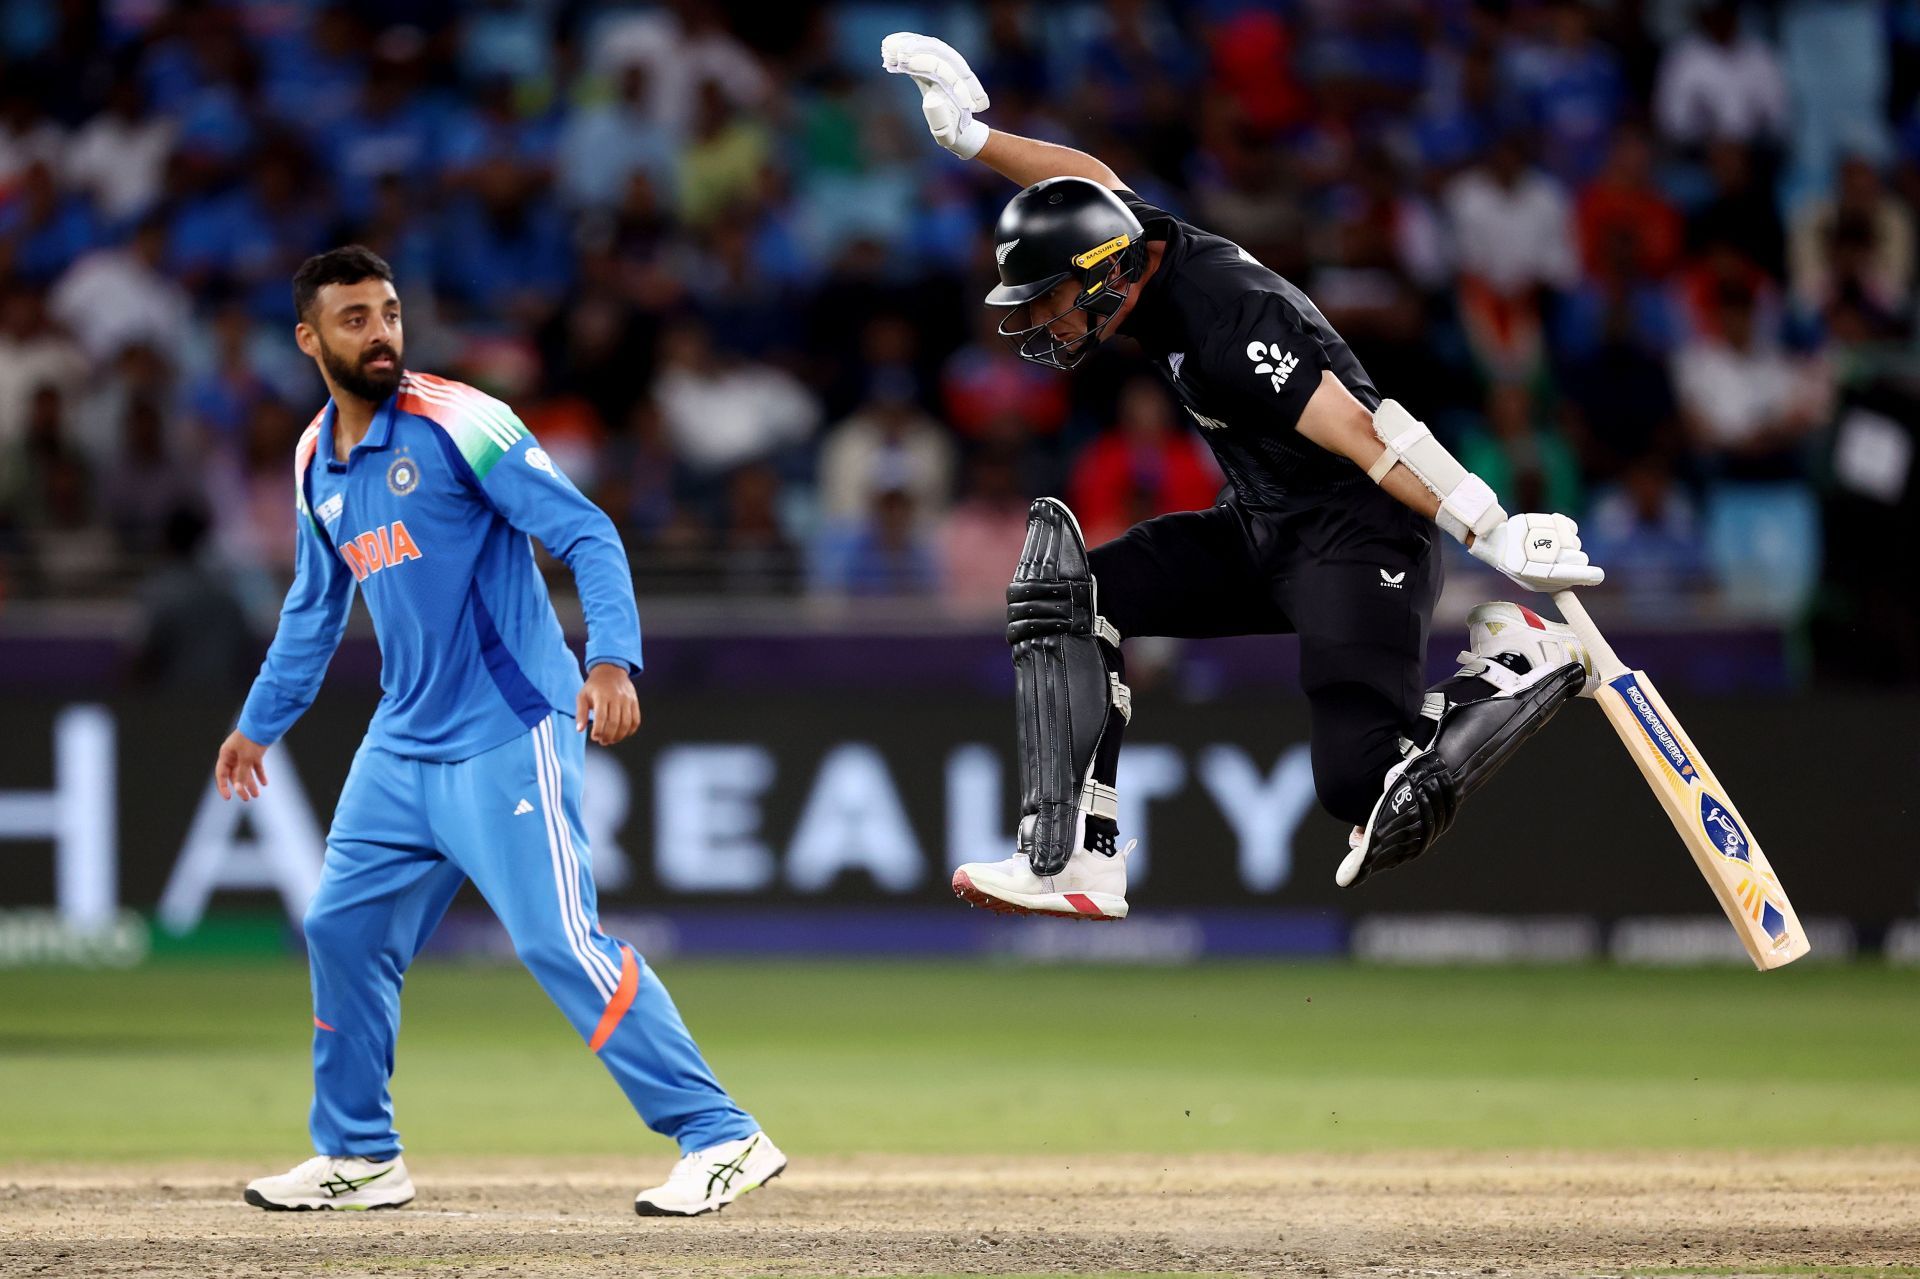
<point x="1272" y="362"/>
<point x="383" y="548"/>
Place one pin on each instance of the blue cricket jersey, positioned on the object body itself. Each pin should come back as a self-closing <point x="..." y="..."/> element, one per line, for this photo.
<point x="431" y="516"/>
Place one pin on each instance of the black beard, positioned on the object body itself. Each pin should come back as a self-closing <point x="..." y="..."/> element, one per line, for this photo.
<point x="356" y="380"/>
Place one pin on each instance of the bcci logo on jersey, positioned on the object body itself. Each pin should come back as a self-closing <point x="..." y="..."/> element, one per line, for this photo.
<point x="403" y="477"/>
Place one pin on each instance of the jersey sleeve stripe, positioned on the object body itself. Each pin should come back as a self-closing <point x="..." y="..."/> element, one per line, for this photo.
<point x="463" y="417"/>
<point x="302" y="459"/>
<point x="484" y="407"/>
<point x="487" y="413"/>
<point x="482" y="428"/>
<point x="472" y="408"/>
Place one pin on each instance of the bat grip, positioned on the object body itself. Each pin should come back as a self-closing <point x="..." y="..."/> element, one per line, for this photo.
<point x="1605" y="661"/>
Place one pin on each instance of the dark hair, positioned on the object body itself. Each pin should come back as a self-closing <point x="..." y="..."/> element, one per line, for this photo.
<point x="349" y="264"/>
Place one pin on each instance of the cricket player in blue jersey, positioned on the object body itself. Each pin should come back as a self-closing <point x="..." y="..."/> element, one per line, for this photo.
<point x="426" y="495"/>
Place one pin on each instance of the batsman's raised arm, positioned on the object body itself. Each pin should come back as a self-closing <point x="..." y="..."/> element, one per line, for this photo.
<point x="950" y="98"/>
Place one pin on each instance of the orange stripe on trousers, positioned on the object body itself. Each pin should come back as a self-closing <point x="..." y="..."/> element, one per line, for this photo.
<point x="321" y="1024"/>
<point x="621" y="1001"/>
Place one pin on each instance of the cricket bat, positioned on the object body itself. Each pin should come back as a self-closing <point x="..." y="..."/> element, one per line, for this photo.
<point x="1720" y="840"/>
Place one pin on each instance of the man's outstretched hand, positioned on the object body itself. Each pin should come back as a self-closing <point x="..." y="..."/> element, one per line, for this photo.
<point x="241" y="768"/>
<point x="608" y="697"/>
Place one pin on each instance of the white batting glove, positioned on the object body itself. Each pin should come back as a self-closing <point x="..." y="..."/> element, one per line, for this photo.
<point x="949" y="91"/>
<point x="1541" y="552"/>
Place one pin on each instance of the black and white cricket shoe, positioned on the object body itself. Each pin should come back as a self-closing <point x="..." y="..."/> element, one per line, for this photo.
<point x="708" y="1180"/>
<point x="338" y="1182"/>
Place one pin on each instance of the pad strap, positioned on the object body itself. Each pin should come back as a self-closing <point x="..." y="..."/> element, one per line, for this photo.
<point x="1121" y="696"/>
<point x="1097" y="799"/>
<point x="1474" y="666"/>
<point x="1467" y="502"/>
<point x="1387" y="460"/>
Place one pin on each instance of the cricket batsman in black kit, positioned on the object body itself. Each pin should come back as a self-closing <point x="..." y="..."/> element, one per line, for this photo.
<point x="1326" y="531"/>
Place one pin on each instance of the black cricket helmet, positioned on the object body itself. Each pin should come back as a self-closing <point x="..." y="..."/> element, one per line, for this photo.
<point x="1064" y="229"/>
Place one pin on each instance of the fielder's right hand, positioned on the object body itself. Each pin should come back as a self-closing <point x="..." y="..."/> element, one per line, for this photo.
<point x="949" y="91"/>
<point x="241" y="768"/>
<point x="1541" y="552"/>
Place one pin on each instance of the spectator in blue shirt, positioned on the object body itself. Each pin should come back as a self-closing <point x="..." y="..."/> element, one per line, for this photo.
<point x="492" y="127"/>
<point x="603" y="145"/>
<point x="1572" y="90"/>
<point x="882" y="554"/>
<point x="393" y="129"/>
<point x="504" y="251"/>
<point x="1647" y="524"/>
<point x="313" y="72"/>
<point x="1466" y="110"/>
<point x="222" y="392"/>
<point x="42" y="230"/>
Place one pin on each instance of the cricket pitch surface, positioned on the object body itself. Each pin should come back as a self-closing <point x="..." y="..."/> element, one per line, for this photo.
<point x="1851" y="1213"/>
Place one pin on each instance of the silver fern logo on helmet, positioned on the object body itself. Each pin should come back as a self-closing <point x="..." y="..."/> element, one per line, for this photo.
<point x="1000" y="253"/>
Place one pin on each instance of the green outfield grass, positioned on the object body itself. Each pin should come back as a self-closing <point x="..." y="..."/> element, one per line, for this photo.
<point x="178" y="1060"/>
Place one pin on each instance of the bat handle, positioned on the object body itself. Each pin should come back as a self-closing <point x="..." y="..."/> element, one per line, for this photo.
<point x="1605" y="661"/>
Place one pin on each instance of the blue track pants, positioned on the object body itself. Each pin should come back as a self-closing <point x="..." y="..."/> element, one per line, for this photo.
<point x="406" y="834"/>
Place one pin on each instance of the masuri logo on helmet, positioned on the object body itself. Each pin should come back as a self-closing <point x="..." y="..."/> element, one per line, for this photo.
<point x="1101" y="253"/>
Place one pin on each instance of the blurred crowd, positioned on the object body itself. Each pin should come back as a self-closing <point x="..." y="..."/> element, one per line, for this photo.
<point x="1649" y="262"/>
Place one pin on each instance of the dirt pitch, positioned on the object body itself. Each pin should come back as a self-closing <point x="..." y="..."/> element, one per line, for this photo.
<point x="1525" y="1214"/>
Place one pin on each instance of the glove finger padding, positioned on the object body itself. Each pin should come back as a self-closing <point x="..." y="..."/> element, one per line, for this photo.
<point x="937" y="105"/>
<point x="893" y="51"/>
<point x="925" y="58"/>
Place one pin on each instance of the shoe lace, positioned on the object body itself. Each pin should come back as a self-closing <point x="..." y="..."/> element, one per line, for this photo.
<point x="688" y="1168"/>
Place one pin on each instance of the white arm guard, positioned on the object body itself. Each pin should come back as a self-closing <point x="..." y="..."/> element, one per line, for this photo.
<point x="1467" y="504"/>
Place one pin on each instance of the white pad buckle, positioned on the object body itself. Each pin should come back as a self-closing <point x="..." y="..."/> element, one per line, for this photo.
<point x="1478" y="667"/>
<point x="1097" y="799"/>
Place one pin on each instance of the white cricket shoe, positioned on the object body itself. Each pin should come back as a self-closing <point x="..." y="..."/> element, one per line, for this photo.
<point x="1497" y="628"/>
<point x="708" y="1180"/>
<point x="334" y="1181"/>
<point x="1091" y="886"/>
